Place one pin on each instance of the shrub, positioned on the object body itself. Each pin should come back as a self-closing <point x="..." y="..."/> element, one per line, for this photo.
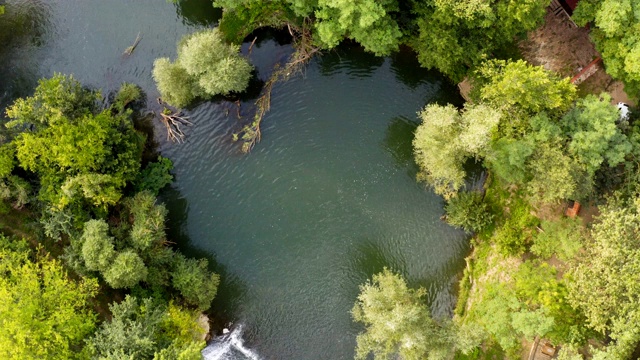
<point x="468" y="211"/>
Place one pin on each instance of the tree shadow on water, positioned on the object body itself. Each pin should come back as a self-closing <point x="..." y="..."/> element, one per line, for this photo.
<point x="398" y="141"/>
<point x="351" y="59"/>
<point x="231" y="290"/>
<point x="198" y="12"/>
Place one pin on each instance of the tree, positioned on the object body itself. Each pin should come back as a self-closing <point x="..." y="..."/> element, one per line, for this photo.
<point x="554" y="174"/>
<point x="399" y="323"/>
<point x="144" y="329"/>
<point x="594" y="134"/>
<point x="605" y="283"/>
<point x="455" y="36"/>
<point x="366" y="21"/>
<point x="615" y="37"/>
<point x="91" y="155"/>
<point x="126" y="271"/>
<point x="43" y="313"/>
<point x="57" y="99"/>
<point x="523" y="89"/>
<point x="206" y="66"/>
<point x="155" y="176"/>
<point x="446" y="138"/>
<point x="194" y="281"/>
<point x="97" y="248"/>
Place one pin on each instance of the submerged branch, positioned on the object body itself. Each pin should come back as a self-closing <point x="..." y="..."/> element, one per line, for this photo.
<point x="130" y="49"/>
<point x="304" y="50"/>
<point x="172" y="122"/>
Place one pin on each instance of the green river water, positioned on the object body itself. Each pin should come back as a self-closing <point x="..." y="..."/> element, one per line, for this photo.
<point x="328" y="197"/>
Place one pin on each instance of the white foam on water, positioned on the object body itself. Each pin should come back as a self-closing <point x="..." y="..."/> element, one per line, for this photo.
<point x="229" y="347"/>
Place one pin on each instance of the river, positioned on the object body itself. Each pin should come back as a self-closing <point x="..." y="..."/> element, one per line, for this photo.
<point x="324" y="201"/>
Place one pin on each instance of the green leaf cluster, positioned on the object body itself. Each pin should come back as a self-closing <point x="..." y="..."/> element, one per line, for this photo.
<point x="143" y="329"/>
<point x="399" y="324"/>
<point x="616" y="35"/>
<point x="468" y="211"/>
<point x="455" y="36"/>
<point x="43" y="313"/>
<point x="206" y="66"/>
<point x="605" y="282"/>
<point x="446" y="138"/>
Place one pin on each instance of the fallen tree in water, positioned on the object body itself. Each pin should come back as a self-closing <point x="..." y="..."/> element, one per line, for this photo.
<point x="172" y="121"/>
<point x="304" y="50"/>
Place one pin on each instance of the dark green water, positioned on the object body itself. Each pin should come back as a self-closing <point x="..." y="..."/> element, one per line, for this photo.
<point x="328" y="197"/>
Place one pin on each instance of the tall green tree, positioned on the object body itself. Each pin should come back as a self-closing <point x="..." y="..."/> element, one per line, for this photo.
<point x="80" y="154"/>
<point x="43" y="313"/>
<point x="144" y="329"/>
<point x="595" y="137"/>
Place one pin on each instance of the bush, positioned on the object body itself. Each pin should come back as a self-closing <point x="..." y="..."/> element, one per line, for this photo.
<point x="468" y="211"/>
<point x="513" y="235"/>
<point x="563" y="238"/>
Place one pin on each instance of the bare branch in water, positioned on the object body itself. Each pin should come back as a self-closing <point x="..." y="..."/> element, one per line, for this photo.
<point x="130" y="49"/>
<point x="173" y="122"/>
<point x="305" y="49"/>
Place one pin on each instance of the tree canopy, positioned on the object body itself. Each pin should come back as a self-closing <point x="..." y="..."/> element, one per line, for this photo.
<point x="616" y="37"/>
<point x="398" y="323"/>
<point x="455" y="36"/>
<point x="446" y="138"/>
<point x="43" y="313"/>
<point x="206" y="66"/>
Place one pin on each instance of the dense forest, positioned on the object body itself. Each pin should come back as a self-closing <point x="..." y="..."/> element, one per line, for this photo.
<point x="89" y="272"/>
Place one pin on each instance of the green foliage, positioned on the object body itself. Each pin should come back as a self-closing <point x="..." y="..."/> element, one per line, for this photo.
<point x="512" y="237"/>
<point x="127" y="94"/>
<point x="7" y="159"/>
<point x="175" y="85"/>
<point x="194" y="281"/>
<point x="97" y="246"/>
<point x="507" y="159"/>
<point x="446" y="138"/>
<point x="206" y="66"/>
<point x="43" y="314"/>
<point x="538" y="286"/>
<point x="455" y="36"/>
<point x="142" y="329"/>
<point x="95" y="154"/>
<point x="519" y="87"/>
<point x="398" y="322"/>
<point x="605" y="281"/>
<point x="366" y="21"/>
<point x="241" y="18"/>
<point x="616" y="37"/>
<point x="148" y="222"/>
<point x="155" y="176"/>
<point x="594" y="134"/>
<point x="563" y="238"/>
<point x="55" y="100"/>
<point x="127" y="270"/>
<point x="553" y="175"/>
<point x="468" y="211"/>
